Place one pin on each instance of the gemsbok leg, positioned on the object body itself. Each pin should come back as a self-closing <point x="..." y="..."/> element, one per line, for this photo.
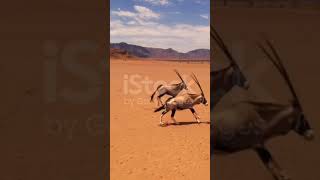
<point x="162" y="114"/>
<point x="271" y="164"/>
<point x="159" y="99"/>
<point x="195" y="115"/>
<point x="172" y="116"/>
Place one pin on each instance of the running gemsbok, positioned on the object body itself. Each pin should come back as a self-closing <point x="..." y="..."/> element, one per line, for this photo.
<point x="225" y="79"/>
<point x="250" y="124"/>
<point x="171" y="89"/>
<point x="182" y="102"/>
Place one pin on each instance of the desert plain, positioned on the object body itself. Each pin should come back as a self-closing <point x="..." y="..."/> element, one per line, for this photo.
<point x="139" y="147"/>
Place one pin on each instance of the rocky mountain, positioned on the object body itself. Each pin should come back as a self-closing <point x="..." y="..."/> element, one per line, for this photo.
<point x="148" y="52"/>
<point x="120" y="54"/>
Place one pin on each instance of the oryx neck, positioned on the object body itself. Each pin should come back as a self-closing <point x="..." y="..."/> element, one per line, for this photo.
<point x="280" y="122"/>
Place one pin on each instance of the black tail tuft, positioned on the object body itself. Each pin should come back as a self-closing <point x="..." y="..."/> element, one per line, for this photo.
<point x="159" y="108"/>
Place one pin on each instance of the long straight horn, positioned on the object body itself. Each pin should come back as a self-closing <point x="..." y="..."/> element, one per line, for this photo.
<point x="197" y="82"/>
<point x="283" y="71"/>
<point x="215" y="35"/>
<point x="179" y="76"/>
<point x="269" y="56"/>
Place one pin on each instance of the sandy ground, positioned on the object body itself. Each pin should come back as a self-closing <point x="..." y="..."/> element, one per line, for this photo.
<point x="140" y="148"/>
<point x="296" y="35"/>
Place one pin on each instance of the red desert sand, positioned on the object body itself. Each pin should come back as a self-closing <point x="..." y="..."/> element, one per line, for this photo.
<point x="140" y="148"/>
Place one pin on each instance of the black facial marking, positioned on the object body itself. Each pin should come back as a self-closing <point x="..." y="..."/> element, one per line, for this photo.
<point x="264" y="155"/>
<point x="302" y="125"/>
<point x="204" y="101"/>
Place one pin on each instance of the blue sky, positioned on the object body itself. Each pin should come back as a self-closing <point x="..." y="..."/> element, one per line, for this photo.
<point x="179" y="24"/>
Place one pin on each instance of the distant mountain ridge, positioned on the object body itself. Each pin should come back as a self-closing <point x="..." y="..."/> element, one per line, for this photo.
<point x="120" y="54"/>
<point x="149" y="52"/>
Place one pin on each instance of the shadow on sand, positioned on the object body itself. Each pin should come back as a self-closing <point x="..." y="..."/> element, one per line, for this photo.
<point x="187" y="123"/>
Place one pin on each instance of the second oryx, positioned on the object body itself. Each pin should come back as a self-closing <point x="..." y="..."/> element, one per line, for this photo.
<point x="170" y="89"/>
<point x="182" y="102"/>
<point x="222" y="81"/>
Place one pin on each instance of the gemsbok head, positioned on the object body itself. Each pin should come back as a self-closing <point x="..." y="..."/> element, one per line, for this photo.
<point x="183" y="101"/>
<point x="250" y="124"/>
<point x="225" y="79"/>
<point x="170" y="89"/>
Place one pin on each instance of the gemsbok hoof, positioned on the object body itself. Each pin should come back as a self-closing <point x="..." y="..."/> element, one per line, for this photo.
<point x="162" y="124"/>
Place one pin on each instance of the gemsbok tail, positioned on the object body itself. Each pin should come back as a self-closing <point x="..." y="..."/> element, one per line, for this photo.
<point x="151" y="99"/>
<point x="159" y="108"/>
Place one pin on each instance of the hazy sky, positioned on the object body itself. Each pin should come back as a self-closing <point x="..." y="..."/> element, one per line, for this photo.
<point x="179" y="24"/>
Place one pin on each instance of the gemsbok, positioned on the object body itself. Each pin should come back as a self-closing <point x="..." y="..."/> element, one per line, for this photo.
<point x="224" y="80"/>
<point x="250" y="124"/>
<point x="184" y="101"/>
<point x="170" y="89"/>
